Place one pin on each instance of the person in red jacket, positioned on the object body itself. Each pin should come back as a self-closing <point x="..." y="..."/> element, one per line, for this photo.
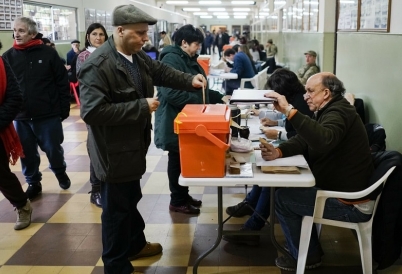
<point x="10" y="146"/>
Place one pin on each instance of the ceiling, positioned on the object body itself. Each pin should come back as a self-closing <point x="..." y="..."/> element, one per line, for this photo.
<point x="228" y="8"/>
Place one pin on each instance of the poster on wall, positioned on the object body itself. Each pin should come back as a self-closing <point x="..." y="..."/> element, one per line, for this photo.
<point x="347" y="16"/>
<point x="374" y="15"/>
<point x="9" y="10"/>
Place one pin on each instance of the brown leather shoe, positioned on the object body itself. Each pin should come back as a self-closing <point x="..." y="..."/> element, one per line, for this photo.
<point x="194" y="202"/>
<point x="186" y="209"/>
<point x="150" y="249"/>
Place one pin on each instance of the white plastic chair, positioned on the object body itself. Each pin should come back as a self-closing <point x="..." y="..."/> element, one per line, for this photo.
<point x="363" y="230"/>
<point x="258" y="81"/>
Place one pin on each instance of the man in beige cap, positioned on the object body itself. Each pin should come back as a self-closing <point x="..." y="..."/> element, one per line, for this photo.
<point x="310" y="68"/>
<point x="117" y="99"/>
<point x="271" y="49"/>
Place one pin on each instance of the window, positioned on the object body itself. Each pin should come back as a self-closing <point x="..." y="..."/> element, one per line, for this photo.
<point x="57" y="23"/>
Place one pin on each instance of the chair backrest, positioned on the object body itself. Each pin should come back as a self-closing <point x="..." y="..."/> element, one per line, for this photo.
<point x="262" y="78"/>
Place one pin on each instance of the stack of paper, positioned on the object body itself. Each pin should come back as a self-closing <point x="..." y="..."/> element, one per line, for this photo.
<point x="250" y="96"/>
<point x="297" y="161"/>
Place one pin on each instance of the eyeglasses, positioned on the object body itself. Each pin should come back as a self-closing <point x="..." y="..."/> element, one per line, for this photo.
<point x="309" y="94"/>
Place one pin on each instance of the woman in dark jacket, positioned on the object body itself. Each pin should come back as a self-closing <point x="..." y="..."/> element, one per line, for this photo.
<point x="182" y="56"/>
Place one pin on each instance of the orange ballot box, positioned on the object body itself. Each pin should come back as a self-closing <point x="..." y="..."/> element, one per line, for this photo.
<point x="203" y="139"/>
<point x="203" y="60"/>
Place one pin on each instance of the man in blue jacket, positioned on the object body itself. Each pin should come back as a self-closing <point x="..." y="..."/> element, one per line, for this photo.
<point x="242" y="66"/>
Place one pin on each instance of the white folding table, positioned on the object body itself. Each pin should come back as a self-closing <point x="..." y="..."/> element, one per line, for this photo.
<point x="305" y="179"/>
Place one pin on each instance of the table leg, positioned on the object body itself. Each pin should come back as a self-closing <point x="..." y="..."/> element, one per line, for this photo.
<point x="219" y="237"/>
<point x="272" y="227"/>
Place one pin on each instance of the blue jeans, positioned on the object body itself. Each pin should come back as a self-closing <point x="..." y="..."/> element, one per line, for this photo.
<point x="47" y="133"/>
<point x="259" y="199"/>
<point x="122" y="225"/>
<point x="291" y="204"/>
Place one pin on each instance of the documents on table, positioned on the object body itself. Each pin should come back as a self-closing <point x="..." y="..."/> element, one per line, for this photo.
<point x="250" y="96"/>
<point x="297" y="161"/>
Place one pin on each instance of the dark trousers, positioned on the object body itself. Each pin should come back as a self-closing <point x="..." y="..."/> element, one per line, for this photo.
<point x="220" y="49"/>
<point x="178" y="194"/>
<point x="95" y="182"/>
<point x="209" y="51"/>
<point x="122" y="225"/>
<point x="46" y="133"/>
<point x="10" y="186"/>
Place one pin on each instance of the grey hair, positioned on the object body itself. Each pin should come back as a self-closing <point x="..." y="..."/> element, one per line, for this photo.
<point x="31" y="24"/>
<point x="335" y="85"/>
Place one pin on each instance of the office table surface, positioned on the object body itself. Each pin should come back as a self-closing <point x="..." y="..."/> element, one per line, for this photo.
<point x="305" y="179"/>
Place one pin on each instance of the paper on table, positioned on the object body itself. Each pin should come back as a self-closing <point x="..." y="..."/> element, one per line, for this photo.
<point x="246" y="171"/>
<point x="297" y="160"/>
<point x="250" y="96"/>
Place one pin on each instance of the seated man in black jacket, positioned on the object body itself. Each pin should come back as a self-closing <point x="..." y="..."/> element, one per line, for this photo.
<point x="339" y="158"/>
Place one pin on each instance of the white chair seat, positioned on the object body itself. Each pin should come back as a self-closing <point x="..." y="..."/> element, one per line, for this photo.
<point x="363" y="230"/>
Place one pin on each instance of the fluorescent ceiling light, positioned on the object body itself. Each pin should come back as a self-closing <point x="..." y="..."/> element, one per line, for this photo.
<point x="240" y="17"/>
<point x="220" y="13"/>
<point x="264" y="13"/>
<point x="279" y="2"/>
<point x="177" y="2"/>
<point x="265" y="9"/>
<point x="209" y="2"/>
<point x="347" y="2"/>
<point x="191" y="9"/>
<point x="200" y="13"/>
<point x="216" y="9"/>
<point x="206" y="16"/>
<point x="241" y="9"/>
<point x="223" y="16"/>
<point x="243" y="2"/>
<point x="240" y="13"/>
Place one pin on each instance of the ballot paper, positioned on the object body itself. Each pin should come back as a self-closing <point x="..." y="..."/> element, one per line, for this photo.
<point x="297" y="161"/>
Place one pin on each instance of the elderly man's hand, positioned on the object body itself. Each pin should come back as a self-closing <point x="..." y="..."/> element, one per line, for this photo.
<point x="268" y="152"/>
<point x="199" y="81"/>
<point x="281" y="103"/>
<point x="153" y="104"/>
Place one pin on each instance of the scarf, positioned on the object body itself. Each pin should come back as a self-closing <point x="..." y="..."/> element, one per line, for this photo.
<point x="31" y="43"/>
<point x="8" y="135"/>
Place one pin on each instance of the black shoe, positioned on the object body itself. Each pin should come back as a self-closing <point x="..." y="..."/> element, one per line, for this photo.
<point x="235" y="212"/>
<point x="285" y="263"/>
<point x="252" y="240"/>
<point x="194" y="202"/>
<point x="186" y="209"/>
<point x="64" y="181"/>
<point x="257" y="106"/>
<point x="33" y="191"/>
<point x="95" y="198"/>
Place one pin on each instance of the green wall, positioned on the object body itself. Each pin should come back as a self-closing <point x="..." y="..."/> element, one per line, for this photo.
<point x="292" y="45"/>
<point x="370" y="65"/>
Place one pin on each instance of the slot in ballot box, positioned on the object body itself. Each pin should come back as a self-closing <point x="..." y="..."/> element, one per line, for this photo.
<point x="203" y="139"/>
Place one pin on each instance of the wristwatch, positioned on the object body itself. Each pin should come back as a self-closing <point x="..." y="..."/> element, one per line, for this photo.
<point x="278" y="135"/>
<point x="288" y="109"/>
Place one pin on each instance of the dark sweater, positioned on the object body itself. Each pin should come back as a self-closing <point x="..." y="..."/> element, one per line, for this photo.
<point x="337" y="145"/>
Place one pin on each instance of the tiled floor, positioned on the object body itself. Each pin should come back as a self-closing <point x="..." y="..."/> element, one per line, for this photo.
<point x="65" y="236"/>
